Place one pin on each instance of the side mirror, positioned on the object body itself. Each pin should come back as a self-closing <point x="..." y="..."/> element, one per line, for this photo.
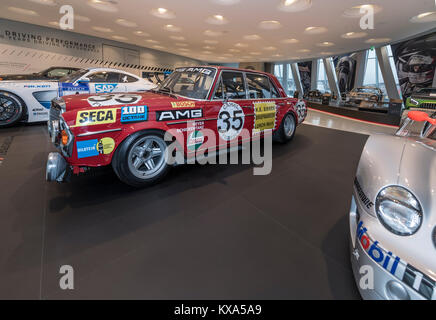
<point x="420" y="116"/>
<point x="83" y="80"/>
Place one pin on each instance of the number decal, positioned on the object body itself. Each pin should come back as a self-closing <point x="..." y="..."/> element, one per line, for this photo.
<point x="230" y="121"/>
<point x="113" y="99"/>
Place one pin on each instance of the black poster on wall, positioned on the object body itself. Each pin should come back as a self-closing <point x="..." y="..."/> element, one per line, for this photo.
<point x="415" y="61"/>
<point x="345" y="71"/>
<point x="305" y="69"/>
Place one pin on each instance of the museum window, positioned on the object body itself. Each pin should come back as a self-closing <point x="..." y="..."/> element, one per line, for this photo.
<point x="322" y="83"/>
<point x="292" y="87"/>
<point x="278" y="72"/>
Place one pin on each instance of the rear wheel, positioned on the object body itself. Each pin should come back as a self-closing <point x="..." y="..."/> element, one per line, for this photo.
<point x="286" y="131"/>
<point x="11" y="109"/>
<point x="140" y="160"/>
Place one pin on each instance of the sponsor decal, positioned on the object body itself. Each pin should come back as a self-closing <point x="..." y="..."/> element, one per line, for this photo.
<point x="230" y="121"/>
<point x="105" y="100"/>
<point x="94" y="147"/>
<point x="36" y="86"/>
<point x="264" y="116"/>
<point x="197" y="125"/>
<point x="395" y="265"/>
<point x="301" y="110"/>
<point x="169" y="115"/>
<point x="199" y="70"/>
<point x="133" y="113"/>
<point x="183" y="104"/>
<point x="195" y="140"/>
<point x="94" y="117"/>
<point x="368" y="203"/>
<point x="105" y="88"/>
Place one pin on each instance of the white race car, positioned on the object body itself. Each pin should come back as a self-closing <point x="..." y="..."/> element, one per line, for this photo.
<point x="30" y="101"/>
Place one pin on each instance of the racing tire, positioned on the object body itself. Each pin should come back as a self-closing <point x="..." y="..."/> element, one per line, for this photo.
<point x="140" y="159"/>
<point x="12" y="109"/>
<point x="286" y="131"/>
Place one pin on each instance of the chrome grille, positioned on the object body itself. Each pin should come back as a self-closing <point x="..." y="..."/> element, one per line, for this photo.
<point x="428" y="106"/>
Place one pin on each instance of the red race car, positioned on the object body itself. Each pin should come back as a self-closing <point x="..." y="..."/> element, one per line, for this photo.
<point x="128" y="130"/>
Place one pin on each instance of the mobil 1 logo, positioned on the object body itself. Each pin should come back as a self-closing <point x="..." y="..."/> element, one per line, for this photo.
<point x="230" y="121"/>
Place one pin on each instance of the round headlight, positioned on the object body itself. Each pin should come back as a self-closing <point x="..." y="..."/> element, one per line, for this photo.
<point x="398" y="210"/>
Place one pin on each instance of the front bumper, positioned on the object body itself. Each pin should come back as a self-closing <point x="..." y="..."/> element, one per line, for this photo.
<point x="57" y="168"/>
<point x="386" y="275"/>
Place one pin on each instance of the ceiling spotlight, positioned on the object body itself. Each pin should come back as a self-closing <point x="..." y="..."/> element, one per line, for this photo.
<point x="140" y="33"/>
<point x="271" y="48"/>
<point x="151" y="41"/>
<point x="163" y="13"/>
<point x="325" y="44"/>
<point x="217" y="19"/>
<point x="102" y="29"/>
<point x="44" y="2"/>
<point x="234" y="50"/>
<point x="226" y="2"/>
<point x="294" y="5"/>
<point x="303" y="50"/>
<point x="126" y="23"/>
<point x="378" y="40"/>
<point x="424" y="17"/>
<point x="119" y="38"/>
<point x="211" y="41"/>
<point x="241" y="45"/>
<point x="158" y="47"/>
<point x="54" y="23"/>
<point x="354" y="35"/>
<point x="206" y="52"/>
<point x="208" y="47"/>
<point x="315" y="30"/>
<point x="26" y="12"/>
<point x="172" y="28"/>
<point x="256" y="53"/>
<point x="81" y="18"/>
<point x="181" y="44"/>
<point x="104" y="5"/>
<point x="358" y="11"/>
<point x="326" y="53"/>
<point x="252" y="37"/>
<point x="211" y="33"/>
<point x="178" y="38"/>
<point x="270" y="25"/>
<point x="290" y="41"/>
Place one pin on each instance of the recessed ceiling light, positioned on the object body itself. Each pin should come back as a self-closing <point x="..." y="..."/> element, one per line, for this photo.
<point x="184" y="49"/>
<point x="181" y="44"/>
<point x="103" y="5"/>
<point x="241" y="45"/>
<point x="271" y="48"/>
<point x="424" y="17"/>
<point x="354" y="35"/>
<point x="209" y="48"/>
<point x="252" y="37"/>
<point x="303" y="50"/>
<point x="102" y="29"/>
<point x="234" y="50"/>
<point x="378" y="40"/>
<point x="295" y="5"/>
<point x="277" y="55"/>
<point x="26" y="12"/>
<point x="119" y="38"/>
<point x="326" y="53"/>
<point x="163" y="13"/>
<point x="290" y="41"/>
<point x="81" y="18"/>
<point x="54" y="23"/>
<point x="126" y="23"/>
<point x="158" y="47"/>
<point x="315" y="30"/>
<point x="206" y="52"/>
<point x="151" y="41"/>
<point x="228" y="54"/>
<point x="172" y="28"/>
<point x="217" y="19"/>
<point x="45" y="2"/>
<point x="226" y="2"/>
<point x="211" y="33"/>
<point x="270" y="25"/>
<point x="325" y="44"/>
<point x="211" y="41"/>
<point x="256" y="53"/>
<point x="140" y="33"/>
<point x="355" y="12"/>
<point x="177" y="38"/>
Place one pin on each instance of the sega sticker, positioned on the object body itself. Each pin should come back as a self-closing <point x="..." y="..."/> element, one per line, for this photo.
<point x="95" y="147"/>
<point x="105" y="88"/>
<point x="134" y="113"/>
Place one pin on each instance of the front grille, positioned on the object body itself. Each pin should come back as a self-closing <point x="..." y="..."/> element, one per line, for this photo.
<point x="428" y="106"/>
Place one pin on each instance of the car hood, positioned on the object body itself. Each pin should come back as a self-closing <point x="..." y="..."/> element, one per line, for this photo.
<point x="411" y="163"/>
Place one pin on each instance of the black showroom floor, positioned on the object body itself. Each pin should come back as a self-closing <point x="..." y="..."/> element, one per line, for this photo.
<point x="206" y="232"/>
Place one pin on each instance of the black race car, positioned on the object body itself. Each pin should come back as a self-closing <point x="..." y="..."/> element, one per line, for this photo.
<point x="53" y="73"/>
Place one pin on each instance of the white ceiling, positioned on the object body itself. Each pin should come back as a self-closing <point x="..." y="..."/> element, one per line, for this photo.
<point x="243" y="19"/>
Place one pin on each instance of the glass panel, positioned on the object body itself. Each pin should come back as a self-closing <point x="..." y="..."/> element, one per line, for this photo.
<point x="322" y="81"/>
<point x="291" y="83"/>
<point x="258" y="86"/>
<point x="234" y="86"/>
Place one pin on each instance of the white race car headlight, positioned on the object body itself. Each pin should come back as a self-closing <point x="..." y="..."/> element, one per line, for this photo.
<point x="398" y="210"/>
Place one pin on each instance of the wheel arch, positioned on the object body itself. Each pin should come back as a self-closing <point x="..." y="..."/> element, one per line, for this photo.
<point x="25" y="109"/>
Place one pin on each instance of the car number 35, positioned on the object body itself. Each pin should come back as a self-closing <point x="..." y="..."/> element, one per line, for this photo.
<point x="230" y="121"/>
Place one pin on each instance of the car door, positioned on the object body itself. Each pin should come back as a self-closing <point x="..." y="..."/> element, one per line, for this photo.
<point x="229" y="113"/>
<point x="106" y="82"/>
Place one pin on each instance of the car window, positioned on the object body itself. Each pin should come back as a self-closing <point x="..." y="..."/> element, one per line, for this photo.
<point x="58" y="72"/>
<point x="258" y="86"/>
<point x="125" y="78"/>
<point x="274" y="93"/>
<point x="234" y="85"/>
<point x="104" y="77"/>
<point x="219" y="90"/>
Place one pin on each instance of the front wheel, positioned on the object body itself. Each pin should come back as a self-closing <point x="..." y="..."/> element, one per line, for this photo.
<point x="11" y="109"/>
<point x="140" y="160"/>
<point x="286" y="131"/>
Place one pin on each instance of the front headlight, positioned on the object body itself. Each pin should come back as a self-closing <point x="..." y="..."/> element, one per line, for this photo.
<point x="398" y="210"/>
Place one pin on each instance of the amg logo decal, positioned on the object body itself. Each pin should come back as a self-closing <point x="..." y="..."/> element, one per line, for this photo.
<point x="179" y="114"/>
<point x="368" y="203"/>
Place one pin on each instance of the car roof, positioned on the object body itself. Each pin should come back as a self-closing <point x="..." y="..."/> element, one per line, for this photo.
<point x="111" y="70"/>
<point x="229" y="68"/>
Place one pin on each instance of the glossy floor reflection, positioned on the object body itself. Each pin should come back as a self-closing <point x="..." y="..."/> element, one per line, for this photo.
<point x="331" y="121"/>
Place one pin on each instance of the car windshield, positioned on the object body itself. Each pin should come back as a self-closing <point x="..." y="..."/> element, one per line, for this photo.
<point x="74" y="76"/>
<point x="192" y="83"/>
<point x="366" y="90"/>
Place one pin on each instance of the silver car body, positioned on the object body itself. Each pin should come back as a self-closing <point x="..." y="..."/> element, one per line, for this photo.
<point x="404" y="267"/>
